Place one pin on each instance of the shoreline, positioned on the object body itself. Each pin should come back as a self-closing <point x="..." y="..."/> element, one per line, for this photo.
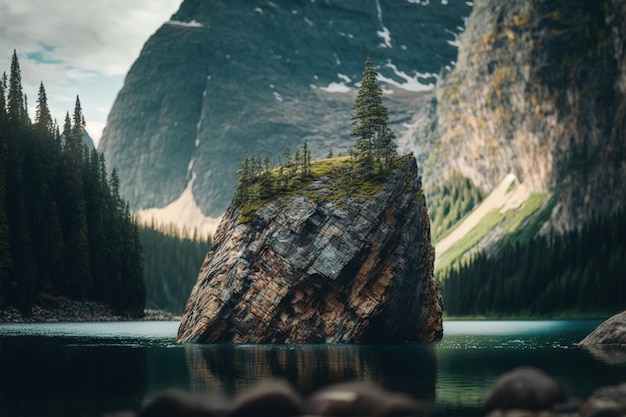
<point x="67" y="311"/>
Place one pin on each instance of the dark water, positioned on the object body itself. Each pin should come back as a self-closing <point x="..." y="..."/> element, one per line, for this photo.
<point x="90" y="368"/>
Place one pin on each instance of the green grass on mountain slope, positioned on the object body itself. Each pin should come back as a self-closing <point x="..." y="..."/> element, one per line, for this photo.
<point x="471" y="239"/>
<point x="519" y="225"/>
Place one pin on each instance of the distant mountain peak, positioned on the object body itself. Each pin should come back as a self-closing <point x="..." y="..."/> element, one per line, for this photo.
<point x="224" y="79"/>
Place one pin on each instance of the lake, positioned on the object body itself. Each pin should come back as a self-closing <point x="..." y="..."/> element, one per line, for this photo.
<point x="86" y="369"/>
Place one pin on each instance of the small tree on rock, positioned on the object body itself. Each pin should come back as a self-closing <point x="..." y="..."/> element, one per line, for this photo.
<point x="374" y="145"/>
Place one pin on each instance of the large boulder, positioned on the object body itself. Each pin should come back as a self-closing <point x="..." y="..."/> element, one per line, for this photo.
<point x="322" y="266"/>
<point x="610" y="332"/>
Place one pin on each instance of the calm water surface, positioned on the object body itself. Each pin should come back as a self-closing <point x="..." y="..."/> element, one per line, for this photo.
<point x="86" y="369"/>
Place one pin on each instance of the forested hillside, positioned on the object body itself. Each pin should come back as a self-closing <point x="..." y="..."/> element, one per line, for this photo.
<point x="172" y="261"/>
<point x="579" y="273"/>
<point x="64" y="230"/>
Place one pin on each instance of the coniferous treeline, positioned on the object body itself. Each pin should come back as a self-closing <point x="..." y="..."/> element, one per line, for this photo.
<point x="64" y="230"/>
<point x="448" y="203"/>
<point x="579" y="273"/>
<point x="256" y="181"/>
<point x="172" y="262"/>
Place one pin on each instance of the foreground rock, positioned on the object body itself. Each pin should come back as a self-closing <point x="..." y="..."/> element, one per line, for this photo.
<point x="524" y="392"/>
<point x="321" y="267"/>
<point x="606" y="402"/>
<point x="279" y="399"/>
<point x="524" y="389"/>
<point x="610" y="332"/>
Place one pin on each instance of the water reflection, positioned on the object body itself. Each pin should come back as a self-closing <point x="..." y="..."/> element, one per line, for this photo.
<point x="41" y="376"/>
<point x="229" y="370"/>
<point x="87" y="370"/>
<point x="609" y="354"/>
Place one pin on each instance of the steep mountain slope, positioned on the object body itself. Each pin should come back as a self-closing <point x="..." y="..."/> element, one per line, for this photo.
<point x="538" y="92"/>
<point x="227" y="78"/>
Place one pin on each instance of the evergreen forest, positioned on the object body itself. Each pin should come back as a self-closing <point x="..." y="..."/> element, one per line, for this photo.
<point x="64" y="230"/>
<point x="172" y="260"/>
<point x="579" y="273"/>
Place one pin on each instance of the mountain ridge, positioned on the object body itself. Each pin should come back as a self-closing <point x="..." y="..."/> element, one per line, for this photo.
<point x="259" y="76"/>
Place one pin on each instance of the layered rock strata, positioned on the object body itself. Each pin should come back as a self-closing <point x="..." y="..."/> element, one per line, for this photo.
<point x="321" y="267"/>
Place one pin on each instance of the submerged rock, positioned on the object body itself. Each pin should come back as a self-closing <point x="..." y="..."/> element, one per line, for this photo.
<point x="322" y="266"/>
<point x="610" y="332"/>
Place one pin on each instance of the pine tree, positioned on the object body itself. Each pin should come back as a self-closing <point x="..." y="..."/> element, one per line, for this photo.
<point x="306" y="161"/>
<point x="371" y="126"/>
<point x="43" y="119"/>
<point x="244" y="179"/>
<point x="15" y="98"/>
<point x="5" y="255"/>
<point x="74" y="222"/>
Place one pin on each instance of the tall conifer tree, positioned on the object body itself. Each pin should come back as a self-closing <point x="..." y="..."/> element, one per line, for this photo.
<point x="5" y="257"/>
<point x="77" y="265"/>
<point x="43" y="119"/>
<point x="15" y="98"/>
<point x="371" y="126"/>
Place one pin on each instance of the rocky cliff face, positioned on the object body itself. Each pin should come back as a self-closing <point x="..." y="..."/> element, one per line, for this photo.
<point x="538" y="91"/>
<point x="226" y="78"/>
<point x="318" y="267"/>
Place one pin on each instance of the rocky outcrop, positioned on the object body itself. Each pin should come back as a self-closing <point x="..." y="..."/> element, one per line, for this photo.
<point x="226" y="78"/>
<point x="538" y="91"/>
<point x="321" y="267"/>
<point x="610" y="332"/>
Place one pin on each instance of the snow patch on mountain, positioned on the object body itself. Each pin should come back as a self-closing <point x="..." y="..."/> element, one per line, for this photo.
<point x="384" y="33"/>
<point x="411" y="83"/>
<point x="192" y="24"/>
<point x="184" y="207"/>
<point x="336" y="88"/>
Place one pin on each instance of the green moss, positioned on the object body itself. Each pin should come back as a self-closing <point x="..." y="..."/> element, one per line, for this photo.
<point x="511" y="187"/>
<point x="342" y="185"/>
<point x="534" y="221"/>
<point x="532" y="204"/>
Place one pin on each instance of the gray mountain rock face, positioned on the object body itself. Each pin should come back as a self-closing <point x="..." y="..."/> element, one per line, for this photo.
<point x="310" y="268"/>
<point x="538" y="91"/>
<point x="226" y="78"/>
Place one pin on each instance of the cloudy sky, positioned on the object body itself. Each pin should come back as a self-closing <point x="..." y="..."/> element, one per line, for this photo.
<point x="78" y="47"/>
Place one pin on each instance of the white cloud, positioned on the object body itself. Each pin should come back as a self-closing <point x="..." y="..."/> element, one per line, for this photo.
<point x="78" y="47"/>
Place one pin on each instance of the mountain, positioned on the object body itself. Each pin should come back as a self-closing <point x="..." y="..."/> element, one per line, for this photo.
<point x="228" y="78"/>
<point x="536" y="103"/>
<point x="518" y="132"/>
<point x="335" y="260"/>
